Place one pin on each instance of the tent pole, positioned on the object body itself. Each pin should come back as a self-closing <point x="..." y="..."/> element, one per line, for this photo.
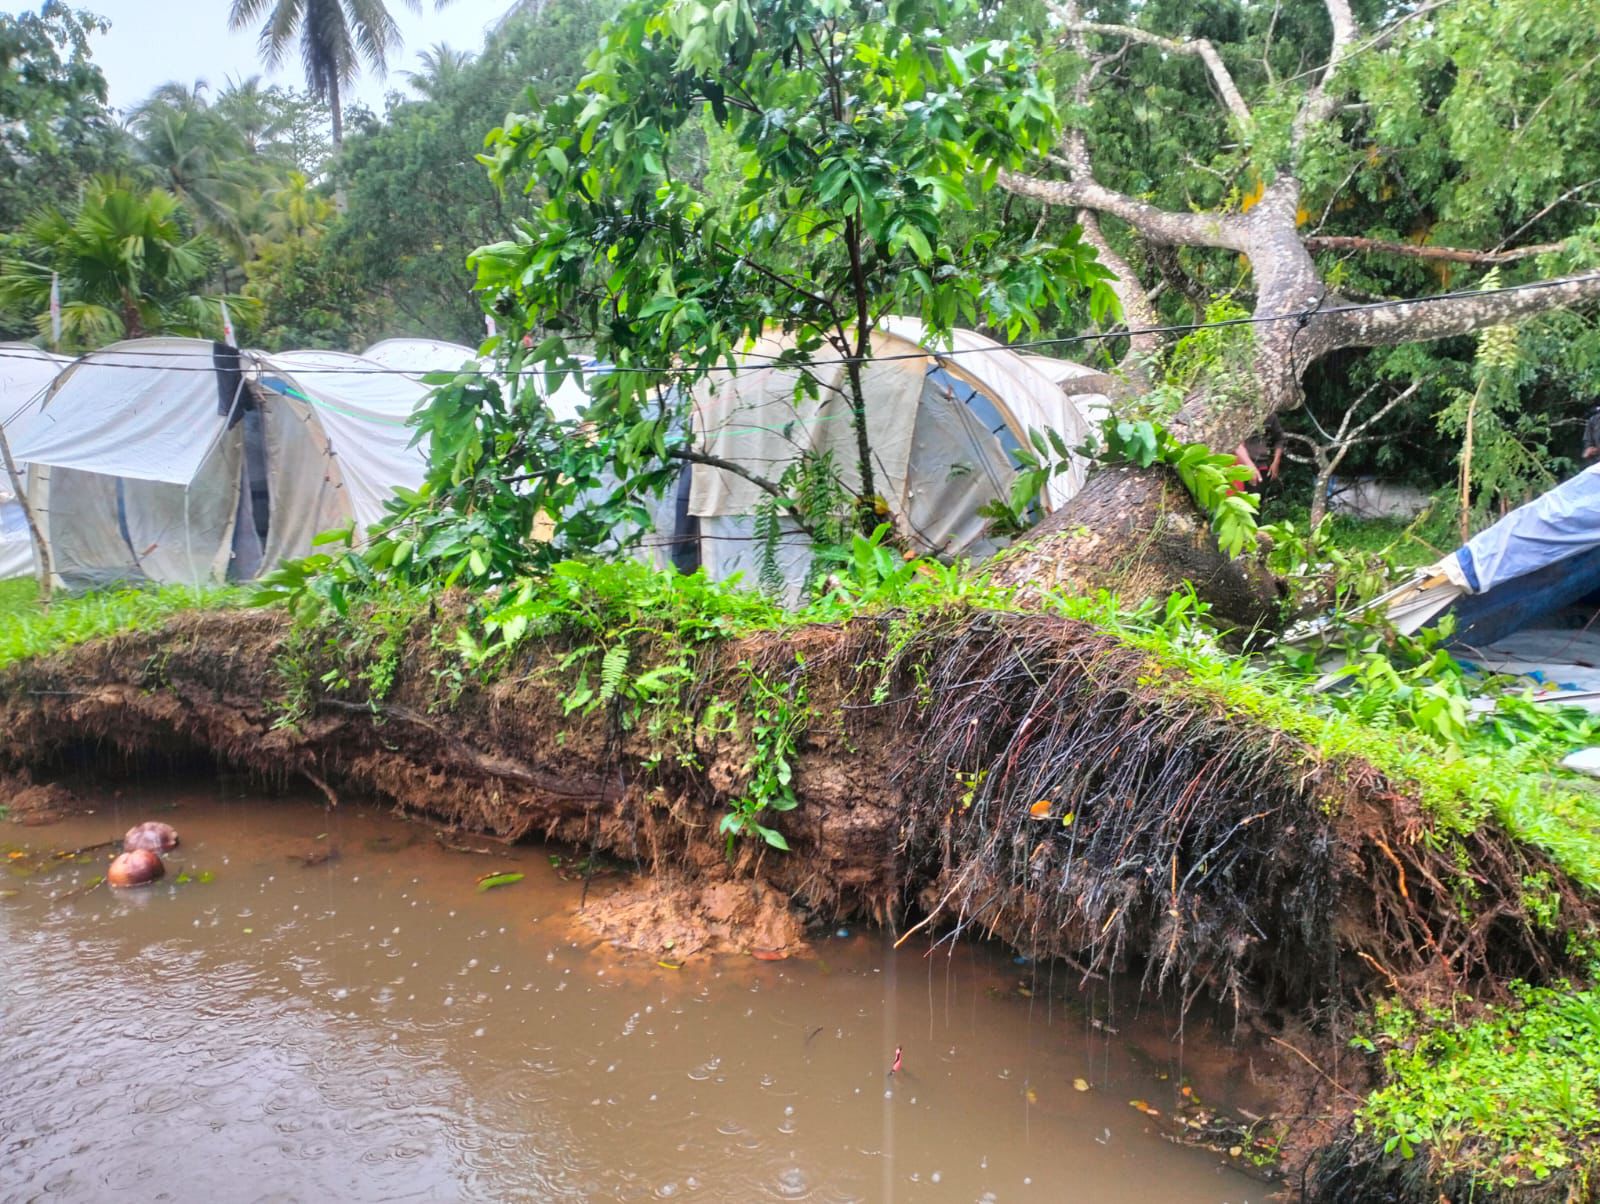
<point x="19" y="488"/>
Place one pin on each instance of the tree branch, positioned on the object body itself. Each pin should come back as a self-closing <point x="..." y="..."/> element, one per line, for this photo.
<point x="1081" y="190"/>
<point x="1545" y="212"/>
<point x="1345" y="242"/>
<point x="1154" y="224"/>
<point x="1137" y="312"/>
<point x="692" y="456"/>
<point x="1200" y="48"/>
<point x="1391" y="322"/>
<point x="1323" y="99"/>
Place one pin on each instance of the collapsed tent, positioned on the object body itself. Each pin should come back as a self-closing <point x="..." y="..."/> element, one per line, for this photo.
<point x="1522" y="592"/>
<point x="25" y="373"/>
<point x="943" y="426"/>
<point x="1536" y="560"/>
<point x="183" y="461"/>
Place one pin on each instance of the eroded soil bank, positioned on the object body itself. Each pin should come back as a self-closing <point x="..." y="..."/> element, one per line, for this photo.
<point x="1019" y="775"/>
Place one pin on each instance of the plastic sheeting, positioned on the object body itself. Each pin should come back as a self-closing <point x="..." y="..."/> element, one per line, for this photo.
<point x="419" y="357"/>
<point x="139" y="468"/>
<point x="146" y="410"/>
<point x="25" y="373"/>
<point x="16" y="544"/>
<point x="1558" y="524"/>
<point x="365" y="413"/>
<point x="1095" y="407"/>
<point x="941" y="426"/>
<point x="133" y="471"/>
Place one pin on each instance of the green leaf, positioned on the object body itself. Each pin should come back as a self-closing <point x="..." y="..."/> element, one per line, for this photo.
<point x="490" y="881"/>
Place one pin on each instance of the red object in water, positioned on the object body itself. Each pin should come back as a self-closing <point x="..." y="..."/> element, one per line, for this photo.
<point x="896" y="1065"/>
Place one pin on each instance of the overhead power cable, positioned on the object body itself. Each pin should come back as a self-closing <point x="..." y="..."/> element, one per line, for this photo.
<point x="1301" y="317"/>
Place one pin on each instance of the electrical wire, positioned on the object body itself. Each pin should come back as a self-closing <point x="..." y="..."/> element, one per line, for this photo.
<point x="1301" y="317"/>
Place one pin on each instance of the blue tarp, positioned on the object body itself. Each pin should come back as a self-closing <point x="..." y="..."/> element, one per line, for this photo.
<point x="1557" y="525"/>
<point x="1536" y="560"/>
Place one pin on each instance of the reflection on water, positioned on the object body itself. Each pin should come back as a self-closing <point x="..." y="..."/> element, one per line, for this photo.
<point x="371" y="1027"/>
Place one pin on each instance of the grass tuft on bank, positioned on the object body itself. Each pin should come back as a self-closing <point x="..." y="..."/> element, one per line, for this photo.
<point x="28" y="629"/>
<point x="1510" y="1098"/>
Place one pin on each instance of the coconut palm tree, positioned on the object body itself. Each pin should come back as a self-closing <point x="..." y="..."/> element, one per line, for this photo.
<point x="335" y="37"/>
<point x="254" y="113"/>
<point x="198" y="155"/>
<point x="128" y="264"/>
<point x="440" y="65"/>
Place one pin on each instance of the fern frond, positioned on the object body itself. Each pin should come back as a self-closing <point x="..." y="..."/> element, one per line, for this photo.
<point x="613" y="671"/>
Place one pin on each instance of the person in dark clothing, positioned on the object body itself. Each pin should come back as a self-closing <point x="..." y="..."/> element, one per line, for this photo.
<point x="1591" y="435"/>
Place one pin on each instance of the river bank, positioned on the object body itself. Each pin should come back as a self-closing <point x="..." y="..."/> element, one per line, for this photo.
<point x="1023" y="776"/>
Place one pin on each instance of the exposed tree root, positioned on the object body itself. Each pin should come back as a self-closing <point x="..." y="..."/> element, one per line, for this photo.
<point x="1017" y="775"/>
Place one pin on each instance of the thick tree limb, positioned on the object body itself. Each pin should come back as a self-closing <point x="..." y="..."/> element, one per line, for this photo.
<point x="1154" y="224"/>
<point x="1345" y="242"/>
<point x="1424" y="318"/>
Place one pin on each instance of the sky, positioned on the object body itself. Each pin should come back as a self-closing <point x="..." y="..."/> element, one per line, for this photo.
<point x="154" y="41"/>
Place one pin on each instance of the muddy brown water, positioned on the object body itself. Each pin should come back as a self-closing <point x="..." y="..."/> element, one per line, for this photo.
<point x="374" y="1027"/>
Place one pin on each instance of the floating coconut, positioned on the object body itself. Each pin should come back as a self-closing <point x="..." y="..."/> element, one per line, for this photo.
<point x="138" y="868"/>
<point x="158" y="838"/>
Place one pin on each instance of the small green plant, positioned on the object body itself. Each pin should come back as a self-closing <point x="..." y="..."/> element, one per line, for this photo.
<point x="778" y="718"/>
<point x="1510" y="1098"/>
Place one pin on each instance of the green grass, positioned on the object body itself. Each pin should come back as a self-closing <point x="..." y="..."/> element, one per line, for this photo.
<point x="1408" y="544"/>
<point x="1511" y="1097"/>
<point x="1460" y="790"/>
<point x="28" y="629"/>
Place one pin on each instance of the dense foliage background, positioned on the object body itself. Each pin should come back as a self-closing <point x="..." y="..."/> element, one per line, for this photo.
<point x="1471" y="125"/>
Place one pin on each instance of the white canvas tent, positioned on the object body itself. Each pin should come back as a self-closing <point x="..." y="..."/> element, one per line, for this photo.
<point x="942" y="425"/>
<point x="25" y="373"/>
<point x="1095" y="407"/>
<point x="179" y="460"/>
<point x="419" y="357"/>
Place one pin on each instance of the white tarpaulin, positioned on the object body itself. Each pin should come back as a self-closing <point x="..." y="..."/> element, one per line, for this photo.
<point x="147" y="409"/>
<point x="25" y="373"/>
<point x="419" y="357"/>
<point x="1095" y="407"/>
<point x="365" y="412"/>
<point x="16" y="545"/>
<point x="133" y="472"/>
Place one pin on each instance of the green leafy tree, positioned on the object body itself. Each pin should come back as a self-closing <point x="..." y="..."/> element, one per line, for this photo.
<point x="846" y="134"/>
<point x="200" y="155"/>
<point x="129" y="265"/>
<point x="417" y="202"/>
<point x="1312" y="158"/>
<point x="306" y="295"/>
<point x="54" y="124"/>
